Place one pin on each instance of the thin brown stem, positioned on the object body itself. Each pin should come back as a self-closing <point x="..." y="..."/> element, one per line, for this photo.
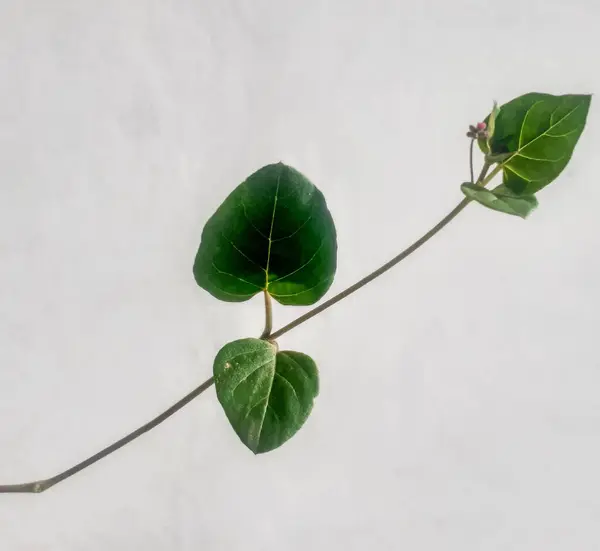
<point x="42" y="485"/>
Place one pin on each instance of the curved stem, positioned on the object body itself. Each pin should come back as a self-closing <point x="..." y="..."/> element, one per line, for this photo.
<point x="483" y="180"/>
<point x="39" y="486"/>
<point x="268" y="316"/>
<point x="367" y="279"/>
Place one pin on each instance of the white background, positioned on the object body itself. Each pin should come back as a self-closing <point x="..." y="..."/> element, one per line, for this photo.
<point x="460" y="393"/>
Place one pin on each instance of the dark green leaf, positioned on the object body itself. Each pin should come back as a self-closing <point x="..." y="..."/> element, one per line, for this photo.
<point x="272" y="232"/>
<point x="541" y="131"/>
<point x="501" y="199"/>
<point x="267" y="395"/>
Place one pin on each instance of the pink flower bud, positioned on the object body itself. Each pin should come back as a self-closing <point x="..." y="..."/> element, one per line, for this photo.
<point x="481" y="126"/>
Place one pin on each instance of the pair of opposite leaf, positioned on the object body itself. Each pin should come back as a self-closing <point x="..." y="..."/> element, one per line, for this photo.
<point x="275" y="234"/>
<point x="272" y="234"/>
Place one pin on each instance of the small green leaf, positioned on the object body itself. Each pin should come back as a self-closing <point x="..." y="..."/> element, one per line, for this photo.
<point x="501" y="199"/>
<point x="491" y="124"/>
<point x="273" y="232"/>
<point x="541" y="131"/>
<point x="267" y="395"/>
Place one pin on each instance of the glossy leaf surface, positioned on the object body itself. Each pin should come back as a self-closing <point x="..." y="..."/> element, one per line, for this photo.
<point x="272" y="232"/>
<point x="267" y="395"/>
<point x="540" y="132"/>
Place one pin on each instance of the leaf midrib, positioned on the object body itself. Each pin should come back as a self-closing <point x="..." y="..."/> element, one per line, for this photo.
<point x="520" y="149"/>
<point x="271" y="230"/>
<point x="505" y="165"/>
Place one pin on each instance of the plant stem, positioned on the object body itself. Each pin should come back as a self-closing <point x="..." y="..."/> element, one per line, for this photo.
<point x="39" y="486"/>
<point x="471" y="160"/>
<point x="482" y="180"/>
<point x="387" y="266"/>
<point x="268" y="316"/>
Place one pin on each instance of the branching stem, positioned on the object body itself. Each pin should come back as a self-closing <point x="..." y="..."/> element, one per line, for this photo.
<point x="39" y="486"/>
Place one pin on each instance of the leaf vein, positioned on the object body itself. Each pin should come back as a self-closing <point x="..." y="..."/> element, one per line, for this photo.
<point x="304" y="371"/>
<point x="507" y="167"/>
<point x="303" y="265"/>
<point x="564" y="135"/>
<point x="269" y="406"/>
<point x="540" y="160"/>
<point x="547" y="133"/>
<point x="271" y="229"/>
<point x="242" y="252"/>
<point x="525" y="120"/>
<point x="295" y="232"/>
<point x="236" y="277"/>
<point x="289" y="384"/>
<point x="262" y="421"/>
<point x="250" y="221"/>
<point x="251" y="372"/>
<point x="261" y="401"/>
<point x="236" y="294"/>
<point x="301" y="292"/>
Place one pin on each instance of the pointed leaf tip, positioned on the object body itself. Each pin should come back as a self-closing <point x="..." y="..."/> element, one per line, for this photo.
<point x="540" y="132"/>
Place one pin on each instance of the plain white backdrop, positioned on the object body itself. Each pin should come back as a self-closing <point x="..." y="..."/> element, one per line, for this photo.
<point x="460" y="393"/>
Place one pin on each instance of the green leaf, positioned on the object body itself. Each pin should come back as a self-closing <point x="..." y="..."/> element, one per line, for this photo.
<point x="273" y="232"/>
<point x="267" y="395"/>
<point x="501" y="199"/>
<point x="491" y="124"/>
<point x="498" y="158"/>
<point x="541" y="131"/>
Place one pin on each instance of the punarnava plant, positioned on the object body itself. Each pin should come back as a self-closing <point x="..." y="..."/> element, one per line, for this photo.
<point x="274" y="235"/>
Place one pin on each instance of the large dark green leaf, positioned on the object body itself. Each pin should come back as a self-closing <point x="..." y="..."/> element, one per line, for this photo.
<point x="267" y="395"/>
<point x="273" y="232"/>
<point x="540" y="132"/>
<point x="501" y="199"/>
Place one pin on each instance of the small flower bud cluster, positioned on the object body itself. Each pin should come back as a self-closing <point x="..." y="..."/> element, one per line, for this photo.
<point x="478" y="132"/>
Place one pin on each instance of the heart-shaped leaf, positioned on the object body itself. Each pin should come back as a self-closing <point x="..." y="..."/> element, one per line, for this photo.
<point x="273" y="232"/>
<point x="540" y="132"/>
<point x="267" y="395"/>
<point x="501" y="199"/>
